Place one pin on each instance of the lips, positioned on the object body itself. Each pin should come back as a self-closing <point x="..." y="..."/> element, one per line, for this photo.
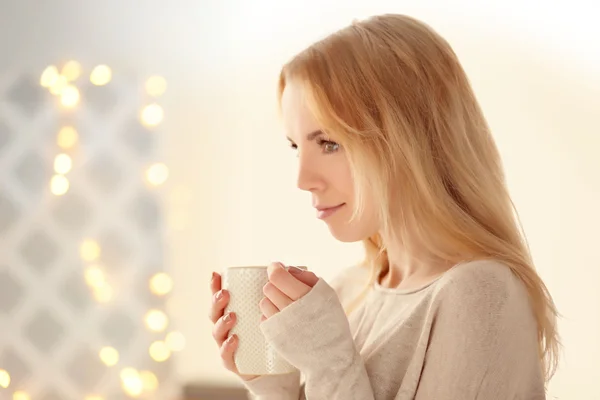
<point x="325" y="212"/>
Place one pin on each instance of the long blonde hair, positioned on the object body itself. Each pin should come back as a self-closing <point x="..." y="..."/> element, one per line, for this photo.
<point x="394" y="94"/>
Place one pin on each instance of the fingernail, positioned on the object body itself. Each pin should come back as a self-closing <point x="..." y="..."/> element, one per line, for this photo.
<point x="295" y="270"/>
<point x="230" y="339"/>
<point x="219" y="295"/>
<point x="227" y="318"/>
<point x="214" y="275"/>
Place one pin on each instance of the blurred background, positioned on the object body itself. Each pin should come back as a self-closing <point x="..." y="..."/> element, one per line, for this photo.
<point x="140" y="150"/>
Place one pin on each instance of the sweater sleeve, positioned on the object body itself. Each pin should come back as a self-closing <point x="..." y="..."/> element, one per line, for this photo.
<point x="314" y="335"/>
<point x="274" y="387"/>
<point x="482" y="343"/>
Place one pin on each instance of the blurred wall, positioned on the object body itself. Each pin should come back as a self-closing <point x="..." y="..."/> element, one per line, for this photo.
<point x="534" y="67"/>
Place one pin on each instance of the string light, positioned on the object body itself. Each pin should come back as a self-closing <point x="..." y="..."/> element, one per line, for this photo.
<point x="152" y="115"/>
<point x="71" y="70"/>
<point x="156" y="320"/>
<point x="131" y="382"/>
<point x="175" y="341"/>
<point x="4" y="378"/>
<point x="157" y="174"/>
<point x="149" y="381"/>
<point x="159" y="351"/>
<point x="101" y="75"/>
<point x="161" y="284"/>
<point x="156" y="86"/>
<point x="21" y="395"/>
<point x="89" y="250"/>
<point x="62" y="163"/>
<point x="109" y="356"/>
<point x="59" y="85"/>
<point x="59" y="185"/>
<point x="134" y="383"/>
<point x="69" y="96"/>
<point x="94" y="276"/>
<point x="49" y="76"/>
<point x="67" y="137"/>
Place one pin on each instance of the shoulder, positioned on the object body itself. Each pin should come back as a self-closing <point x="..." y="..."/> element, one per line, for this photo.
<point x="483" y="290"/>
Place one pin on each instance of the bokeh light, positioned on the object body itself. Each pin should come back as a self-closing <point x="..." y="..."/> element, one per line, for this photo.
<point x="157" y="174"/>
<point x="71" y="70"/>
<point x="62" y="163"/>
<point x="101" y="75"/>
<point x="109" y="356"/>
<point x="152" y="115"/>
<point x="156" y="320"/>
<point x="21" y="395"/>
<point x="161" y="284"/>
<point x="156" y="86"/>
<point x="59" y="185"/>
<point x="4" y="378"/>
<point x="49" y="76"/>
<point x="69" y="96"/>
<point x="67" y="137"/>
<point x="159" y="351"/>
<point x="89" y="250"/>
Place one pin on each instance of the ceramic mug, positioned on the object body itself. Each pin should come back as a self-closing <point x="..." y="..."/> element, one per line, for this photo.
<point x="254" y="355"/>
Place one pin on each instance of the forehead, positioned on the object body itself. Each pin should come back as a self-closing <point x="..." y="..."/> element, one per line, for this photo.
<point x="298" y="120"/>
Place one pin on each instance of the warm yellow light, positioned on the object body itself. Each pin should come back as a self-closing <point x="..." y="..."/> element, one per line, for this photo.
<point x="49" y="76"/>
<point x="131" y="382"/>
<point x="67" y="137"/>
<point x="103" y="293"/>
<point x="156" y="85"/>
<point x="157" y="174"/>
<point x="21" y="395"/>
<point x="59" y="85"/>
<point x="59" y="185"/>
<point x="95" y="277"/>
<point x="156" y="320"/>
<point x="159" y="351"/>
<point x="161" y="284"/>
<point x="175" y="341"/>
<point x="109" y="356"/>
<point x="149" y="381"/>
<point x="69" y="96"/>
<point x="71" y="70"/>
<point x="101" y="75"/>
<point x="94" y="397"/>
<point x="62" y="163"/>
<point x="4" y="378"/>
<point x="89" y="250"/>
<point x="152" y="115"/>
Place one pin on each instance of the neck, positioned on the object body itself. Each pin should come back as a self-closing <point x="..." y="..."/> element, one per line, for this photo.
<point x="411" y="269"/>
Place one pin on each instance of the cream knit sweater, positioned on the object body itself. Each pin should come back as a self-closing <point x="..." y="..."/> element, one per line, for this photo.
<point x="470" y="334"/>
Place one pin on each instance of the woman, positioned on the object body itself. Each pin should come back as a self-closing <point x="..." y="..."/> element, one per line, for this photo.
<point x="396" y="152"/>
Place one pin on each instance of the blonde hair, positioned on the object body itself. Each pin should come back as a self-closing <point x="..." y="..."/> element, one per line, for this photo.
<point x="395" y="96"/>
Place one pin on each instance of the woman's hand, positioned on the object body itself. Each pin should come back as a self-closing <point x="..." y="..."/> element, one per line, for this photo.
<point x="222" y="326"/>
<point x="284" y="287"/>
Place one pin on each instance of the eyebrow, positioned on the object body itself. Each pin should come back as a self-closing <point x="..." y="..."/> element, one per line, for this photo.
<point x="310" y="136"/>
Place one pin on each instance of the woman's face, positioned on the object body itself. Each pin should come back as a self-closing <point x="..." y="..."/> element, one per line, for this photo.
<point x="324" y="171"/>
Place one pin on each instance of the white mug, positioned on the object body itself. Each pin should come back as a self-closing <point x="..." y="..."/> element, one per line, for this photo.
<point x="254" y="355"/>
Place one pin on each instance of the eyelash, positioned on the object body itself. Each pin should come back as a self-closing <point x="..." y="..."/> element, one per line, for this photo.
<point x="322" y="143"/>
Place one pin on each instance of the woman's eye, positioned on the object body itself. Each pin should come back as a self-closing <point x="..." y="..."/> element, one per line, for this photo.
<point x="329" y="146"/>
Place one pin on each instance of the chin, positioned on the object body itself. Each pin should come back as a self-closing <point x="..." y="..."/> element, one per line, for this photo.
<point x="346" y="235"/>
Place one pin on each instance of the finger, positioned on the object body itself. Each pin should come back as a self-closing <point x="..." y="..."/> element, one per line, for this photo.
<point x="267" y="308"/>
<point x="222" y="327"/>
<point x="306" y="277"/>
<point x="215" y="283"/>
<point x="277" y="297"/>
<point x="227" y="350"/>
<point x="219" y="302"/>
<point x="284" y="281"/>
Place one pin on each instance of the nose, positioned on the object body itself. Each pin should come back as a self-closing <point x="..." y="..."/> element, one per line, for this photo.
<point x="309" y="176"/>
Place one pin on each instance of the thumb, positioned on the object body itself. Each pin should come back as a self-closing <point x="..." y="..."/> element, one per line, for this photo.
<point x="306" y="277"/>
